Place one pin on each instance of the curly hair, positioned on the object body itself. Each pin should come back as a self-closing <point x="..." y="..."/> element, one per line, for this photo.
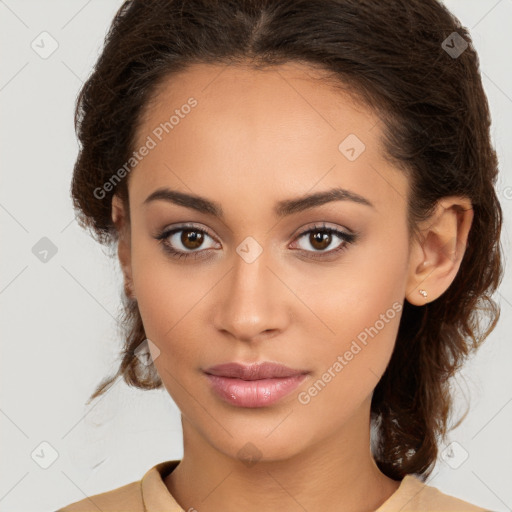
<point x="393" y="57"/>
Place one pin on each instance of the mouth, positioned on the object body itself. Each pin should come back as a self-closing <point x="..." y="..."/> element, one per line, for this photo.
<point x="254" y="385"/>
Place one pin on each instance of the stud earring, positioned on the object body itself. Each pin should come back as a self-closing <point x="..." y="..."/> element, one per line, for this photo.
<point x="423" y="292"/>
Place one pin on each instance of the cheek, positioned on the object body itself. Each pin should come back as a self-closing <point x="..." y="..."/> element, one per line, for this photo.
<point x="350" y="365"/>
<point x="367" y="282"/>
<point x="166" y="306"/>
<point x="362" y="307"/>
<point x="166" y="296"/>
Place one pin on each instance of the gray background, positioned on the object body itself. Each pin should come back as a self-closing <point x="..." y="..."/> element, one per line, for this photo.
<point x="58" y="321"/>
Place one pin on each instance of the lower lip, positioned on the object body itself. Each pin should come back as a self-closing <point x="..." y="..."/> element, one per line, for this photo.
<point x="253" y="393"/>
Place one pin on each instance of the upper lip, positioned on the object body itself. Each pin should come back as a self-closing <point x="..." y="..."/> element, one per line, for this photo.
<point x="255" y="371"/>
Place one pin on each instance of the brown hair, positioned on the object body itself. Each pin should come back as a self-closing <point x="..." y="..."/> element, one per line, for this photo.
<point x="436" y="117"/>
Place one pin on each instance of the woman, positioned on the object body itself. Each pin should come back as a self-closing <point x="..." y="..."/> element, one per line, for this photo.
<point x="304" y="212"/>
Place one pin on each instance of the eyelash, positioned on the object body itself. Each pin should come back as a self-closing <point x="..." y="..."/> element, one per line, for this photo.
<point x="347" y="239"/>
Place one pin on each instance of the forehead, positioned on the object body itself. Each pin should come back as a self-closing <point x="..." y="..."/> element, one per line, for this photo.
<point x="300" y="91"/>
<point x="284" y="128"/>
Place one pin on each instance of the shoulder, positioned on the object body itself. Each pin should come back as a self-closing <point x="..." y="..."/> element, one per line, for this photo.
<point x="126" y="498"/>
<point x="148" y="493"/>
<point x="415" y="496"/>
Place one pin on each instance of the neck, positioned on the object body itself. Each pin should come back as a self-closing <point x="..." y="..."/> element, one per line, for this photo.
<point x="337" y="470"/>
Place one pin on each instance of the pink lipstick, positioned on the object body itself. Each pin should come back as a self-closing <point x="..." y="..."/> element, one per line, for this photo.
<point x="254" y="385"/>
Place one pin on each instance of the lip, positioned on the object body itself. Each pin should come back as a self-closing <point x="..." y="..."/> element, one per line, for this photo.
<point x="254" y="371"/>
<point x="254" y="385"/>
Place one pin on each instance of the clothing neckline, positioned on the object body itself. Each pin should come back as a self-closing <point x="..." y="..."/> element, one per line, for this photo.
<point x="157" y="498"/>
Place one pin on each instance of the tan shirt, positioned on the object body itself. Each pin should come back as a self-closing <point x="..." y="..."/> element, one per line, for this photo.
<point x="150" y="494"/>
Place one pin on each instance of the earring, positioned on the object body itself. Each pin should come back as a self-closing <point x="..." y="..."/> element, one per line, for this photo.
<point x="423" y="292"/>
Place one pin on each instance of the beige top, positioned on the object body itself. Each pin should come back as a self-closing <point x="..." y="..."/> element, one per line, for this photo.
<point x="150" y="494"/>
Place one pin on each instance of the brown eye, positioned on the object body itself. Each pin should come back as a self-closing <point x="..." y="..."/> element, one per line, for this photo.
<point x="191" y="238"/>
<point x="186" y="241"/>
<point x="323" y="239"/>
<point x="320" y="240"/>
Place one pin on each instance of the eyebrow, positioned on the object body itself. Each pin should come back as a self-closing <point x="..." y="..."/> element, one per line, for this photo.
<point x="282" y="208"/>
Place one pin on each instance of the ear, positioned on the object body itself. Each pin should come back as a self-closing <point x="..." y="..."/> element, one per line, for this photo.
<point x="120" y="220"/>
<point x="436" y="255"/>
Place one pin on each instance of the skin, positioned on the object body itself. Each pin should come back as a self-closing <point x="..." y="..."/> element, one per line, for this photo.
<point x="256" y="138"/>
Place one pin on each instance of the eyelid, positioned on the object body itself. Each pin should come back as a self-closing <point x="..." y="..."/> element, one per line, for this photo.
<point x="163" y="236"/>
<point x="346" y="236"/>
<point x="322" y="225"/>
<point x="300" y="232"/>
<point x="188" y="225"/>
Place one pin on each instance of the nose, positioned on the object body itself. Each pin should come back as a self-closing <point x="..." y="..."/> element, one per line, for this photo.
<point x="253" y="303"/>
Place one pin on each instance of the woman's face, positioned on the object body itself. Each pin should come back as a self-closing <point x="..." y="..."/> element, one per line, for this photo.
<point x="263" y="280"/>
